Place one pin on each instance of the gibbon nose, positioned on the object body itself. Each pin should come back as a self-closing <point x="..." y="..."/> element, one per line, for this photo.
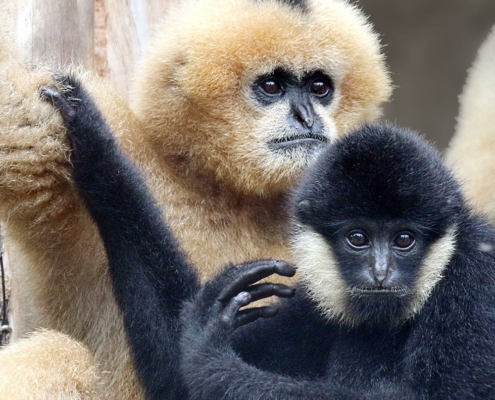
<point x="303" y="114"/>
<point x="380" y="272"/>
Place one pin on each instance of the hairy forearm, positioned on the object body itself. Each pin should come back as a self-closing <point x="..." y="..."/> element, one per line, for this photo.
<point x="150" y="275"/>
<point x="120" y="203"/>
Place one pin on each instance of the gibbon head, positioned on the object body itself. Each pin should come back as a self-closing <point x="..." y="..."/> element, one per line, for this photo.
<point x="376" y="225"/>
<point x="246" y="92"/>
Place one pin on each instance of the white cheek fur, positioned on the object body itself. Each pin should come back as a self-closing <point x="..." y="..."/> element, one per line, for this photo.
<point x="432" y="267"/>
<point x="320" y="272"/>
<point x="326" y="286"/>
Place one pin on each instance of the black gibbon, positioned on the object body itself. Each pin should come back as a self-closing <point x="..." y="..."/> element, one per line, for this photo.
<point x="397" y="298"/>
<point x="229" y="106"/>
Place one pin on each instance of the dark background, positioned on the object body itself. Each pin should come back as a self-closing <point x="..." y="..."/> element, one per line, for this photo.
<point x="430" y="44"/>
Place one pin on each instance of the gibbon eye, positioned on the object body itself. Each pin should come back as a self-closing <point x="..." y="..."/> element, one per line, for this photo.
<point x="404" y="241"/>
<point x="358" y="240"/>
<point x="320" y="88"/>
<point x="271" y="86"/>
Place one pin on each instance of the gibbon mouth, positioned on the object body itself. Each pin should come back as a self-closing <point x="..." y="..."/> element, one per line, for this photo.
<point x="372" y="290"/>
<point x="306" y="140"/>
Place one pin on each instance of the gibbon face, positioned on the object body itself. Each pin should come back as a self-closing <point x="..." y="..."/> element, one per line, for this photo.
<point x="378" y="227"/>
<point x="260" y="90"/>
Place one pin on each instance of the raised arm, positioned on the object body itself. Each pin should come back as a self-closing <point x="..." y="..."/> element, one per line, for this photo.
<point x="150" y="274"/>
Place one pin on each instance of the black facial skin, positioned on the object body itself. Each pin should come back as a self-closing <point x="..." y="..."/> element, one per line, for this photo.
<point x="301" y="94"/>
<point x="379" y="261"/>
<point x="372" y="192"/>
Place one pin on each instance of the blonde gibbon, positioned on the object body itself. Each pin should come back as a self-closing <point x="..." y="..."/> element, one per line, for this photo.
<point x="472" y="149"/>
<point x="232" y="101"/>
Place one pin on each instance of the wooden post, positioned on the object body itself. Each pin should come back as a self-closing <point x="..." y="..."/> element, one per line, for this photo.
<point x="122" y="33"/>
<point x="56" y="32"/>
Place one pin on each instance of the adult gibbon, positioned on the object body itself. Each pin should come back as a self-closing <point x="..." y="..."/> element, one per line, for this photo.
<point x="397" y="298"/>
<point x="232" y="102"/>
<point x="472" y="149"/>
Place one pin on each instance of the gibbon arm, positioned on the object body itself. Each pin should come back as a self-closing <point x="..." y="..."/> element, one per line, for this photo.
<point x="150" y="274"/>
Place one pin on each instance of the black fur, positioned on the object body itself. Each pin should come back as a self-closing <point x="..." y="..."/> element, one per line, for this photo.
<point x="380" y="174"/>
<point x="446" y="351"/>
<point x="383" y="172"/>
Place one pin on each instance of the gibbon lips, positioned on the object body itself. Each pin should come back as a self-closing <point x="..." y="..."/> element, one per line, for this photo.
<point x="372" y="290"/>
<point x="286" y="143"/>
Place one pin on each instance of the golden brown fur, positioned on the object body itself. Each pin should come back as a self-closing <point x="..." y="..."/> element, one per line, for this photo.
<point x="63" y="369"/>
<point x="198" y="135"/>
<point x="472" y="150"/>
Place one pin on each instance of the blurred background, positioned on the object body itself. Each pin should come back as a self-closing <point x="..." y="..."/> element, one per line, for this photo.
<point x="430" y="44"/>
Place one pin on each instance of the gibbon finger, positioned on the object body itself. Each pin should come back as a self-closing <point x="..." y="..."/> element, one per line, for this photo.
<point x="245" y="317"/>
<point x="264" y="290"/>
<point x="59" y="102"/>
<point x="259" y="270"/>
<point x="230" y="311"/>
